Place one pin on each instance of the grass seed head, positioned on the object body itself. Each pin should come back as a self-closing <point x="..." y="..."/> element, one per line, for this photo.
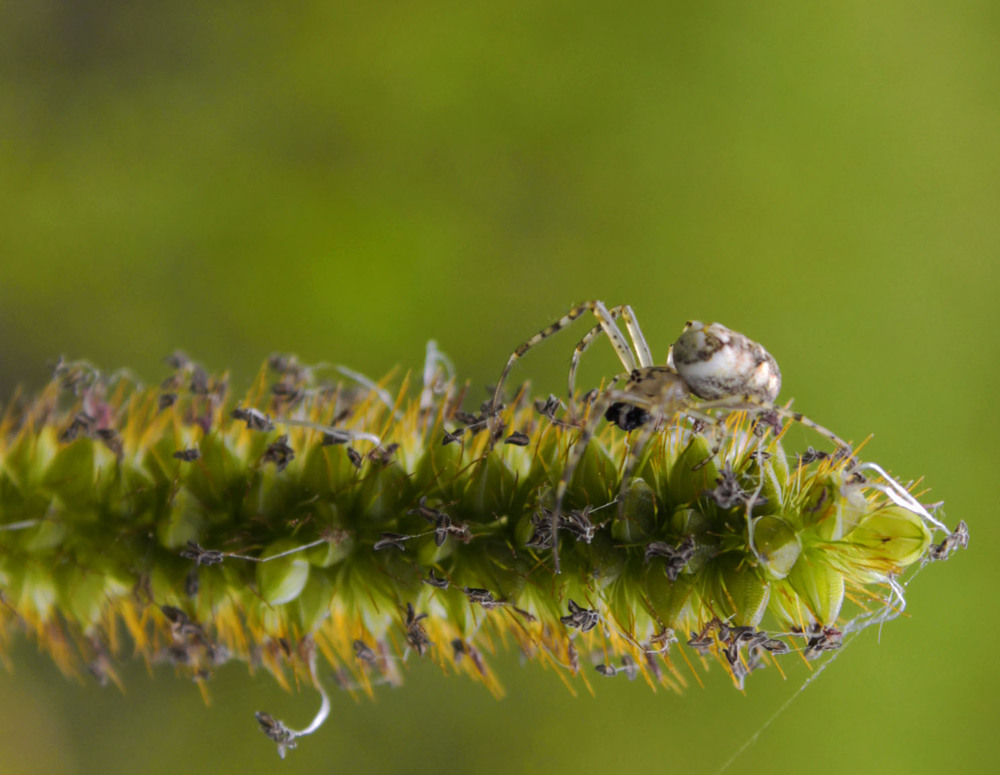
<point x="380" y="527"/>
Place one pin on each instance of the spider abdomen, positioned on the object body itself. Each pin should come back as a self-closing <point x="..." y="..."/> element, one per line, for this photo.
<point x="717" y="362"/>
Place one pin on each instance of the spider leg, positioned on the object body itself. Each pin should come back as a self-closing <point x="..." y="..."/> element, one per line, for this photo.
<point x="717" y="437"/>
<point x="607" y="323"/>
<point x="753" y="404"/>
<point x="752" y="500"/>
<point x="639" y="346"/>
<point x="670" y="398"/>
<point x="642" y="353"/>
<point x="633" y="454"/>
<point x="614" y="334"/>
<point x="597" y="410"/>
<point x="581" y="347"/>
<point x="824" y="432"/>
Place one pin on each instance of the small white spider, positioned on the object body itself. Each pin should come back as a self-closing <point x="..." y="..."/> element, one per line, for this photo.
<point x="708" y="368"/>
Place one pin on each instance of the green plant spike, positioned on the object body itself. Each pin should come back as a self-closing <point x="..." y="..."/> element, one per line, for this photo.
<point x="314" y="520"/>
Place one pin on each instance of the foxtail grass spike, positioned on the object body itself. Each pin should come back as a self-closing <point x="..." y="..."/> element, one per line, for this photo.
<point x="344" y="528"/>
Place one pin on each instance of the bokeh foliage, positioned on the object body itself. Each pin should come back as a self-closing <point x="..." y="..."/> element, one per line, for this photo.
<point x="349" y="180"/>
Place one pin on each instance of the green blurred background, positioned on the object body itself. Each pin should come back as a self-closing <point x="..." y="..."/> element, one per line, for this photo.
<point x="348" y="180"/>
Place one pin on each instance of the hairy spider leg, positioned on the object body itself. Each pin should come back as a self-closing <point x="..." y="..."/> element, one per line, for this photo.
<point x="642" y="352"/>
<point x="671" y="397"/>
<point x="633" y="452"/>
<point x="691" y="410"/>
<point x="636" y="449"/>
<point x="660" y="406"/>
<point x="753" y="404"/>
<point x="607" y="322"/>
<point x="748" y="403"/>
<point x="752" y="500"/>
<point x="581" y="347"/>
<point x="597" y="410"/>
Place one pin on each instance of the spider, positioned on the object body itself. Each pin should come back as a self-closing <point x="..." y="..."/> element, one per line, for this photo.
<point x="708" y="367"/>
